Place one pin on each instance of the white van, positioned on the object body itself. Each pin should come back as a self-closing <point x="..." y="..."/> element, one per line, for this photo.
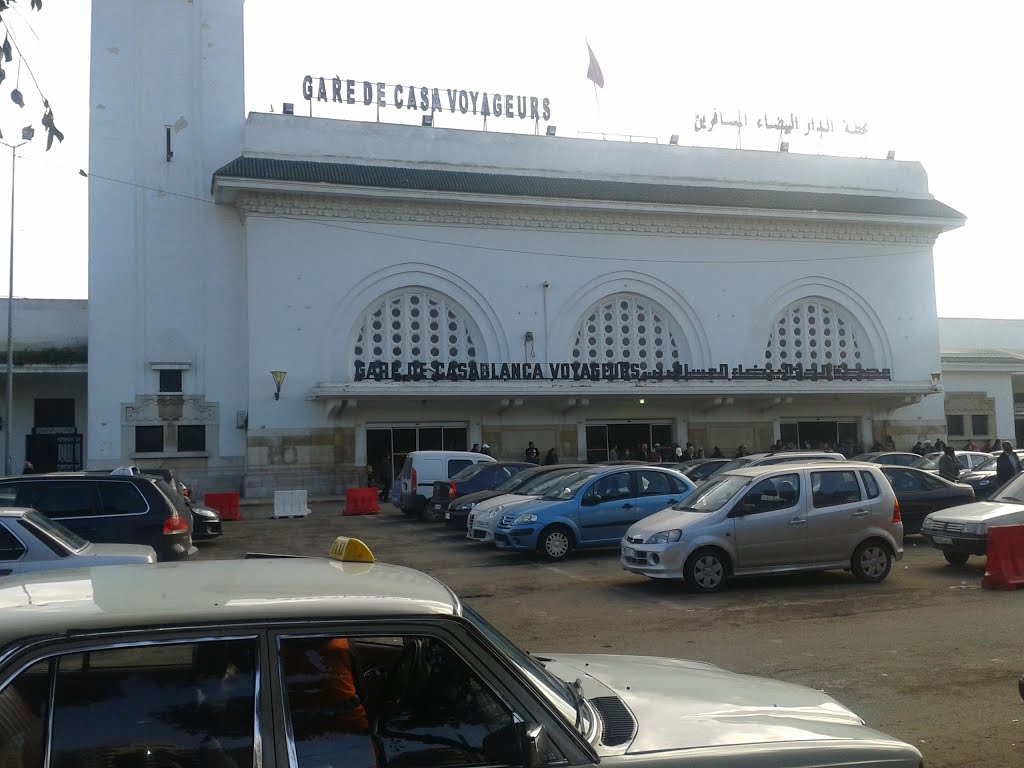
<point x="422" y="468"/>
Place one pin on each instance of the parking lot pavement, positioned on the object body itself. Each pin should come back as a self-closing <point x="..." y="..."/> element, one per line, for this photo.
<point x="927" y="655"/>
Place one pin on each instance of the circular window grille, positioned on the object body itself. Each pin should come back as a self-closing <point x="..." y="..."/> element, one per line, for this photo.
<point x="627" y="329"/>
<point x="416" y="326"/>
<point x="815" y="332"/>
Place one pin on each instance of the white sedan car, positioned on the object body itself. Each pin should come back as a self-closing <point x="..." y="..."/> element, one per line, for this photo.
<point x="30" y="542"/>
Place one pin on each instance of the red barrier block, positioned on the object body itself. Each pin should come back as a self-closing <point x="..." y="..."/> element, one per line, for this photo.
<point x="1004" y="568"/>
<point x="361" y="501"/>
<point x="225" y="503"/>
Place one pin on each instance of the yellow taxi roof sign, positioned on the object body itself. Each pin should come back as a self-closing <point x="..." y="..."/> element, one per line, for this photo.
<point x="348" y="550"/>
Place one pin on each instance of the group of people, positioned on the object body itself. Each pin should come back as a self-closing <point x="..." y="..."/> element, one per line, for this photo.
<point x="1007" y="464"/>
<point x="659" y="453"/>
<point x="532" y="455"/>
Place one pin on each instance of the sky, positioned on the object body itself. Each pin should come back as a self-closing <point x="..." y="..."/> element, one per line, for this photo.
<point x="937" y="82"/>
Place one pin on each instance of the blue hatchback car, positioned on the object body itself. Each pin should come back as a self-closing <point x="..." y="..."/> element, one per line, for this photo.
<point x="591" y="508"/>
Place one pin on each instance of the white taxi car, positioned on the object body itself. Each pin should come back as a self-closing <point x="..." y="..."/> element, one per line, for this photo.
<point x="308" y="663"/>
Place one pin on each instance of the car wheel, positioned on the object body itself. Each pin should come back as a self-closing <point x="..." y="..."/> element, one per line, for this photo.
<point x="706" y="570"/>
<point x="555" y="543"/>
<point x="956" y="558"/>
<point x="871" y="561"/>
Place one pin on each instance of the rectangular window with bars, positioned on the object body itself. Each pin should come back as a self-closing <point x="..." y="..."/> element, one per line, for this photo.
<point x="979" y="424"/>
<point x="955" y="425"/>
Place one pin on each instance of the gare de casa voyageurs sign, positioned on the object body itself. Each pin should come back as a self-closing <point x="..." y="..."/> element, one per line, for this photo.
<point x="425" y="99"/>
<point x="620" y="371"/>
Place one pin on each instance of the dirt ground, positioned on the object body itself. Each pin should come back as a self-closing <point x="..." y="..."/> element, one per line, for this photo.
<point x="927" y="656"/>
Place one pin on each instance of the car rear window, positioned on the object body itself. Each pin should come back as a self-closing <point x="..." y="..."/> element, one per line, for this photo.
<point x="457" y="465"/>
<point x="469" y="472"/>
<point x="870" y="484"/>
<point x="62" y="499"/>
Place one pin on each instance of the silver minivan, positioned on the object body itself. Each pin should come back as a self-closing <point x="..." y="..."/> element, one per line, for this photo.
<point x="773" y="519"/>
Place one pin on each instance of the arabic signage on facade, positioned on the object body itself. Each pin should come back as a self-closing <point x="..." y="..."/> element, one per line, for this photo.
<point x="619" y="371"/>
<point x="425" y="99"/>
<point x="780" y="124"/>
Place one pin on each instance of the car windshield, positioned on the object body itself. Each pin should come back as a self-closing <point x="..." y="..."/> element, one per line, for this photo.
<point x="925" y="463"/>
<point x="540" y="483"/>
<point x="554" y="689"/>
<point x="470" y="472"/>
<point x="714" y="494"/>
<point x="517" y="481"/>
<point x="734" y="464"/>
<point x="1013" y="491"/>
<point x="988" y="465"/>
<point x="54" y="530"/>
<point x="566" y="486"/>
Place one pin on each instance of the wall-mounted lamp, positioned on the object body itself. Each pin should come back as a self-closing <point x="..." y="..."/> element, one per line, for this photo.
<point x="550" y="131"/>
<point x="427" y="121"/>
<point x="936" y="377"/>
<point x="673" y="139"/>
<point x="642" y="401"/>
<point x="288" y="108"/>
<point x="278" y="381"/>
<point x="784" y="146"/>
<point x="890" y="155"/>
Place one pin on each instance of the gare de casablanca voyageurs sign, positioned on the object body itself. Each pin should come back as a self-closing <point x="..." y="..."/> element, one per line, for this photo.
<point x="621" y="371"/>
<point x="367" y="93"/>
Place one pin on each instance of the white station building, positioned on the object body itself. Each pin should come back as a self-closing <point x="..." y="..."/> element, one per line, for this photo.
<point x="425" y="288"/>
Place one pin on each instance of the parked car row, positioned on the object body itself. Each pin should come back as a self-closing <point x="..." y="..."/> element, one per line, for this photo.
<point x="126" y="515"/>
<point x="763" y="513"/>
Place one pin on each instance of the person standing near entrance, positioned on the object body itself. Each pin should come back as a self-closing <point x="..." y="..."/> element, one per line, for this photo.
<point x="532" y="455"/>
<point x="949" y="467"/>
<point x="1007" y="465"/>
<point x="385" y="477"/>
<point x="485" y="449"/>
<point x="551" y="457"/>
<point x="613" y="453"/>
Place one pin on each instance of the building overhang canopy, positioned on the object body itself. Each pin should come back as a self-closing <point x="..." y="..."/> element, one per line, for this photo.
<point x="304" y="177"/>
<point x="882" y="395"/>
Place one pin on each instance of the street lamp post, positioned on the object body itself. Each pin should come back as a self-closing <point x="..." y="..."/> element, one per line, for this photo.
<point x="26" y="135"/>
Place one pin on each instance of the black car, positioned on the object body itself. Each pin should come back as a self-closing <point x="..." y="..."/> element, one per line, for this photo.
<point x="474" y="478"/>
<point x="206" y="522"/>
<point x="458" y="512"/>
<point x="109" y="509"/>
<point x="983" y="477"/>
<point x="920" y="492"/>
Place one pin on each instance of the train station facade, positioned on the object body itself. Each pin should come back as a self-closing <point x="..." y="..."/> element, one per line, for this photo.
<point x="425" y="288"/>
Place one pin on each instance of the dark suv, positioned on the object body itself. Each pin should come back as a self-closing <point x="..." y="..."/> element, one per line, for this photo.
<point x="114" y="509"/>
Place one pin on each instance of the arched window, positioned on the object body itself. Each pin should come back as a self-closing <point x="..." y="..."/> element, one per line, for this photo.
<point x="631" y="329"/>
<point x="416" y="325"/>
<point x="816" y="330"/>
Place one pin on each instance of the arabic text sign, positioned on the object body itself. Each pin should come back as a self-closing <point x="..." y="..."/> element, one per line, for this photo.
<point x="425" y="99"/>
<point x="620" y="371"/>
<point x="780" y="124"/>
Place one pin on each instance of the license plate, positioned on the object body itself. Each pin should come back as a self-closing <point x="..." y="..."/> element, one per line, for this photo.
<point x="628" y="552"/>
<point x="942" y="539"/>
<point x="447" y="515"/>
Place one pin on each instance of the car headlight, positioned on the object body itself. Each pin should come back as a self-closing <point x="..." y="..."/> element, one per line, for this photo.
<point x="494" y="513"/>
<point x="976" y="529"/>
<point x="465" y="507"/>
<point x="527" y="518"/>
<point x="666" y="537"/>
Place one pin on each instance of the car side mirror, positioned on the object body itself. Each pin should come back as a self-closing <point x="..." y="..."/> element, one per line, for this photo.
<point x="524" y="744"/>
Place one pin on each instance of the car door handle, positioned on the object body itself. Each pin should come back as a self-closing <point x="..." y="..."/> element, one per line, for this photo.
<point x="673" y="501"/>
<point x="797" y="521"/>
<point x="627" y="506"/>
<point x="862" y="513"/>
<point x="6" y="571"/>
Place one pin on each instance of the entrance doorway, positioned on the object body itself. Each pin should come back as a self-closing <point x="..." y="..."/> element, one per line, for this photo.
<point x="820" y="435"/>
<point x="627" y="438"/>
<point x="400" y="440"/>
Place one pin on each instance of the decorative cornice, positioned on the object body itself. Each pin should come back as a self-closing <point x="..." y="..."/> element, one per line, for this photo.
<point x="509" y="217"/>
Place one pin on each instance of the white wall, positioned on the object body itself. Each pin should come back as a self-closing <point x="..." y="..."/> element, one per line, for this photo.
<point x="960" y="334"/>
<point x="46" y="323"/>
<point x="166" y="269"/>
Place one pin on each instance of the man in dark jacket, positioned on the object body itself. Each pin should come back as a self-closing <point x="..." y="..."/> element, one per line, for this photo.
<point x="949" y="467"/>
<point x="1007" y="465"/>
